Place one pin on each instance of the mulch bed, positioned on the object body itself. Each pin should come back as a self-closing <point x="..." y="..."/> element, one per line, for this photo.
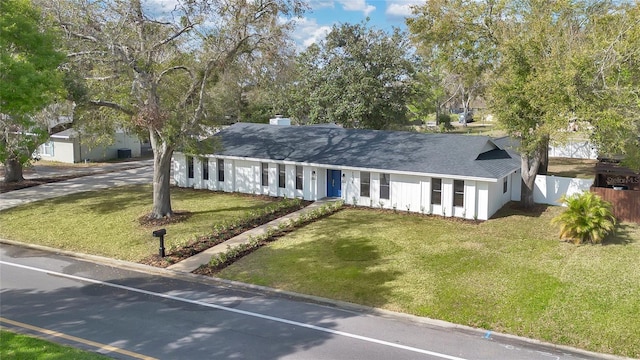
<point x="6" y="187"/>
<point x="205" y="242"/>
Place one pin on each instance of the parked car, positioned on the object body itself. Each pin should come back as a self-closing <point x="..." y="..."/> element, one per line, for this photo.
<point x="466" y="117"/>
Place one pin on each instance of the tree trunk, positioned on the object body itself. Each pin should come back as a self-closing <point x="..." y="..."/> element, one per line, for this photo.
<point x="544" y="157"/>
<point x="529" y="167"/>
<point x="13" y="170"/>
<point x="161" y="178"/>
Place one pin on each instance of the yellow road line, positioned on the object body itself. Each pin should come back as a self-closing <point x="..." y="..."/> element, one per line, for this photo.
<point x="97" y="345"/>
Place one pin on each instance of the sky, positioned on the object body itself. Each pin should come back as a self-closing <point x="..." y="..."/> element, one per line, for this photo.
<point x="323" y="14"/>
<point x="317" y="22"/>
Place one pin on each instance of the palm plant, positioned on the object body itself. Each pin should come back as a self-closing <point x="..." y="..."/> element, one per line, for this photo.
<point x="587" y="219"/>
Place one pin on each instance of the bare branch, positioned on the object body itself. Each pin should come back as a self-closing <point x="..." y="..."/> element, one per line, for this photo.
<point x="173" y="37"/>
<point x="82" y="53"/>
<point x="181" y="67"/>
<point x="78" y="35"/>
<point x="111" y="105"/>
<point x="102" y="78"/>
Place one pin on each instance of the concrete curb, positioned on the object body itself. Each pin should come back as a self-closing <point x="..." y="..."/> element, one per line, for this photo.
<point x="356" y="308"/>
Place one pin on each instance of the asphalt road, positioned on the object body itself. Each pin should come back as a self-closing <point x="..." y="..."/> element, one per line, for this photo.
<point x="129" y="314"/>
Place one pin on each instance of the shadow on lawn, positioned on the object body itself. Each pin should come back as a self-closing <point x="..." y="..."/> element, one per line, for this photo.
<point x="621" y="236"/>
<point x="514" y="208"/>
<point x="348" y="267"/>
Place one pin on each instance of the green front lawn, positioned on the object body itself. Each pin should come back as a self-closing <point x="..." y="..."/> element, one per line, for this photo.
<point x="22" y="347"/>
<point x="106" y="222"/>
<point x="509" y="274"/>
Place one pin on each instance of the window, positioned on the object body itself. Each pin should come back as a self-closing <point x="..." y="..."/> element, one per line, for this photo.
<point x="298" y="177"/>
<point x="281" y="177"/>
<point x="205" y="169"/>
<point x="458" y="193"/>
<point x="47" y="148"/>
<point x="265" y="174"/>
<point x="220" y="169"/>
<point x="505" y="186"/>
<point x="189" y="167"/>
<point x="436" y="191"/>
<point x="365" y="183"/>
<point x="384" y="186"/>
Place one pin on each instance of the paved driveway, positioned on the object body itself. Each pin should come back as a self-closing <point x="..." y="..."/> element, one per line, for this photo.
<point x="139" y="175"/>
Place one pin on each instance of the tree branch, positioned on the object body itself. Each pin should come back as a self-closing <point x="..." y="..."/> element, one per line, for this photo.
<point x="83" y="53"/>
<point x="173" y="37"/>
<point x="112" y="105"/>
<point x="181" y="67"/>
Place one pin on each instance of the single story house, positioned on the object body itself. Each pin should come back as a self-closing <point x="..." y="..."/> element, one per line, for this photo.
<point x="463" y="176"/>
<point x="69" y="146"/>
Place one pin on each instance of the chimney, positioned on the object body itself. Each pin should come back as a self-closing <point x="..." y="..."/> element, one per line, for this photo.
<point x="280" y="120"/>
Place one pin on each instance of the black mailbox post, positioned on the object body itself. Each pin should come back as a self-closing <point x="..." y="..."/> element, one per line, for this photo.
<point x="160" y="234"/>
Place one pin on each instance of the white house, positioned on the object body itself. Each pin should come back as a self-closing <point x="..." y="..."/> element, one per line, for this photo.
<point x="470" y="177"/>
<point x="69" y="146"/>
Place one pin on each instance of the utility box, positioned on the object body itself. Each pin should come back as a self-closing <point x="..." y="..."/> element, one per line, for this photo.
<point x="124" y="153"/>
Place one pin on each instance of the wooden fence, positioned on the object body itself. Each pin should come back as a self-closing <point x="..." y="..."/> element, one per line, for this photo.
<point x="625" y="203"/>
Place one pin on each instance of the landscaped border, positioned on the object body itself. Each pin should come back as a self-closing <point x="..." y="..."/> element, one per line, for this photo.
<point x="225" y="231"/>
<point x="224" y="259"/>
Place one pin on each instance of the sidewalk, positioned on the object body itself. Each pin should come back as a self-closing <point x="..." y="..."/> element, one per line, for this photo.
<point x="143" y="174"/>
<point x="192" y="263"/>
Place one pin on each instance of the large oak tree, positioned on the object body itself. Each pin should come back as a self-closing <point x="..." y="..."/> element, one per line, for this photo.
<point x="358" y="77"/>
<point x="536" y="52"/>
<point x="153" y="69"/>
<point x="29" y="81"/>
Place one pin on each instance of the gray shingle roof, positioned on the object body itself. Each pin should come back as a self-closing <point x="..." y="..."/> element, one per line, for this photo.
<point x="446" y="154"/>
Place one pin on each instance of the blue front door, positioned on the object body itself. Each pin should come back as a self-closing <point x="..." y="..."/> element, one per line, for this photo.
<point x="334" y="185"/>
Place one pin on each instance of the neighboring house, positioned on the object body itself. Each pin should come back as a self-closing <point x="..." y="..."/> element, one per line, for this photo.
<point x="68" y="146"/>
<point x="445" y="174"/>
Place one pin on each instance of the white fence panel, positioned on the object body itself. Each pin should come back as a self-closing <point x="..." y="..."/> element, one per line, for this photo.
<point x="577" y="150"/>
<point x="549" y="189"/>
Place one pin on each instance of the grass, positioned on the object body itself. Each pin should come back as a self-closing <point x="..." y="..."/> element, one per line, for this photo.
<point x="106" y="222"/>
<point x="509" y="274"/>
<point x="573" y="168"/>
<point x="477" y="128"/>
<point x="23" y="347"/>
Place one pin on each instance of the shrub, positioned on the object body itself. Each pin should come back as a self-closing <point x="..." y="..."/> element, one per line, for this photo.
<point x="444" y="122"/>
<point x="587" y="219"/>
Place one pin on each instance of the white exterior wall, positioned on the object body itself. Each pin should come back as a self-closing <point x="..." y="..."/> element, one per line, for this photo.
<point x="447" y="197"/>
<point x="74" y="150"/>
<point x="179" y="164"/>
<point x="245" y="177"/>
<point x="197" y="173"/>
<point x="213" y="175"/>
<point x="515" y="186"/>
<point x="63" y="151"/>
<point x="229" y="178"/>
<point x="425" y="189"/>
<point x="110" y="151"/>
<point x="309" y="183"/>
<point x="482" y="189"/>
<point x="272" y="189"/>
<point x="321" y="183"/>
<point x="407" y="192"/>
<point x="350" y="186"/>
<point x="470" y="209"/>
<point x="495" y="197"/>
